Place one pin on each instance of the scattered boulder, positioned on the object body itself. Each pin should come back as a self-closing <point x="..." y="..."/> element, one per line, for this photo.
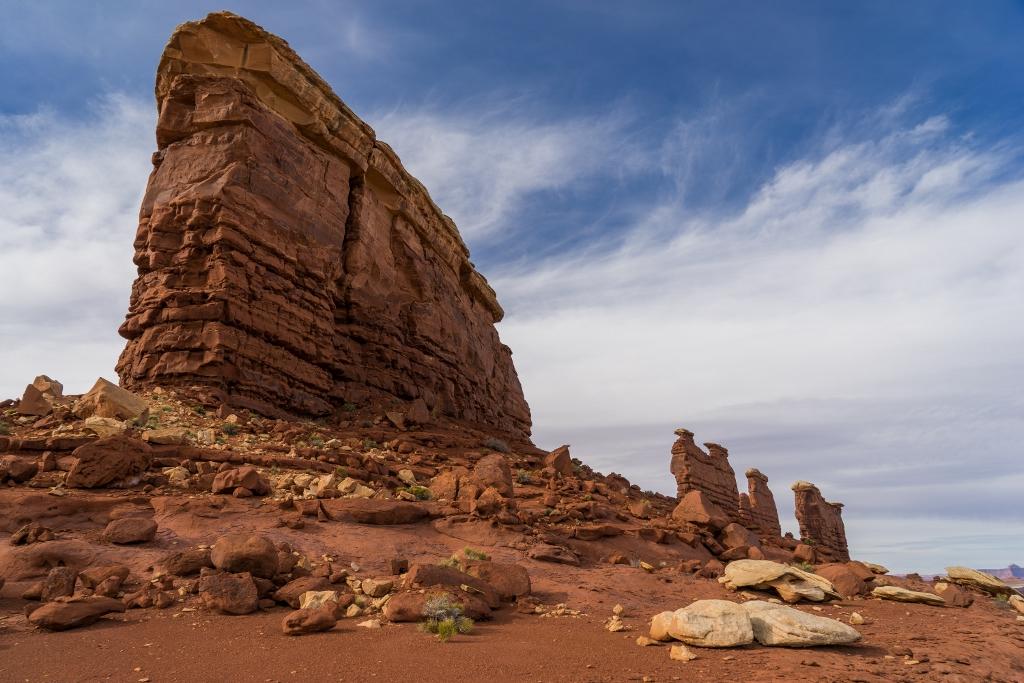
<point x="106" y="461"/>
<point x="847" y="582"/>
<point x="229" y="593"/>
<point x="247" y="477"/>
<point x="510" y="580"/>
<point x="493" y="470"/>
<point x="17" y="469"/>
<point x="546" y="552"/>
<point x="104" y="426"/>
<point x="128" y="530"/>
<point x="954" y="595"/>
<point x="408" y="606"/>
<point x="291" y="592"/>
<point x="426" y="575"/>
<point x="784" y="626"/>
<point x="106" y="399"/>
<point x="696" y="508"/>
<point x="377" y="588"/>
<point x="94" y="576"/>
<point x="166" y="436"/>
<point x="735" y="535"/>
<point x="59" y="583"/>
<point x="905" y="595"/>
<point x="308" y="620"/>
<point x="40" y="396"/>
<point x="60" y="616"/>
<point x="1017" y="602"/>
<point x="559" y="460"/>
<point x="319" y="600"/>
<point x="32" y="533"/>
<point x="791" y="583"/>
<point x="707" y="623"/>
<point x="681" y="653"/>
<point x="980" y="580"/>
<point x="245" y="553"/>
<point x="185" y="562"/>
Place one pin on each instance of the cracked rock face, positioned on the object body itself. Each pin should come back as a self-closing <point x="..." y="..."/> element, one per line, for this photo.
<point x="821" y="522"/>
<point x="287" y="261"/>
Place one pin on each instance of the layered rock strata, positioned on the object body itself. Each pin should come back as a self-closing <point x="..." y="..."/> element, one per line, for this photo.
<point x="757" y="506"/>
<point x="287" y="261"/>
<point x="709" y="472"/>
<point x="821" y="522"/>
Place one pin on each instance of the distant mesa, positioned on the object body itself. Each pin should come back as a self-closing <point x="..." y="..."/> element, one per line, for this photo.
<point x="288" y="263"/>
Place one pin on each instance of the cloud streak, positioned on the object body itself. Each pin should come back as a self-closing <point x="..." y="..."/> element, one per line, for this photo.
<point x="70" y="191"/>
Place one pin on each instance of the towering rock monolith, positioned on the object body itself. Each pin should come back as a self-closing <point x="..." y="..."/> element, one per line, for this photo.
<point x="758" y="506"/>
<point x="709" y="472"/>
<point x="821" y="523"/>
<point x="287" y="262"/>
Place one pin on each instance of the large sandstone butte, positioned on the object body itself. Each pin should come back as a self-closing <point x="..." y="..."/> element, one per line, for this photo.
<point x="287" y="261"/>
<point x="758" y="505"/>
<point x="821" y="522"/>
<point x="710" y="472"/>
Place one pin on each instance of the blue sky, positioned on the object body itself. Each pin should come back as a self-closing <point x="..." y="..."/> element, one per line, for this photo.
<point x="791" y="227"/>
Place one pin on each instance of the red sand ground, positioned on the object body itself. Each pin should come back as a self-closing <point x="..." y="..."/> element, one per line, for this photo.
<point x="983" y="642"/>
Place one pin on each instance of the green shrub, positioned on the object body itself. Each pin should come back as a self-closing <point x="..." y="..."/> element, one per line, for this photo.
<point x="5" y="428"/>
<point x="523" y="477"/>
<point x="229" y="428"/>
<point x="452" y="562"/>
<point x="200" y="411"/>
<point x="496" y="445"/>
<point x="473" y="554"/>
<point x="316" y="441"/>
<point x="349" y="407"/>
<point x="421" y="492"/>
<point x="444" y="618"/>
<point x="806" y="566"/>
<point x="369" y="443"/>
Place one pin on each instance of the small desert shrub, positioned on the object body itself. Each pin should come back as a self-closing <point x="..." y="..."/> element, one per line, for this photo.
<point x="316" y="441"/>
<point x="369" y="443"/>
<point x="444" y="618"/>
<point x="474" y="554"/>
<point x="523" y="477"/>
<point x="340" y="472"/>
<point x="349" y="407"/>
<point x="496" y="445"/>
<point x="5" y="428"/>
<point x="452" y="562"/>
<point x="1002" y="597"/>
<point x="200" y="411"/>
<point x="152" y="423"/>
<point x="421" y="492"/>
<point x="806" y="566"/>
<point x="229" y="428"/>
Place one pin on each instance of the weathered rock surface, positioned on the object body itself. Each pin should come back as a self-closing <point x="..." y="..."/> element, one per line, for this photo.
<point x="246" y="477"/>
<point x="60" y="616"/>
<point x="39" y="397"/>
<point x="707" y="623"/>
<point x="106" y="399"/>
<point x="229" y="593"/>
<point x="510" y="580"/>
<point x="788" y="627"/>
<point x="108" y="461"/>
<point x="547" y="552"/>
<point x="308" y="621"/>
<point x="980" y="580"/>
<point x="696" y="507"/>
<point x="245" y="553"/>
<point x="709" y="472"/>
<point x="287" y="261"/>
<point x="821" y="522"/>
<point x="758" y="505"/>
<point x="900" y="594"/>
<point x="791" y="583"/>
<point x="130" y="530"/>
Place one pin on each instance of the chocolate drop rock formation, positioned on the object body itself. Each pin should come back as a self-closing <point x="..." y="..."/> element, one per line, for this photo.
<point x="821" y="522"/>
<point x="758" y="505"/>
<point x="710" y="472"/>
<point x="287" y="261"/>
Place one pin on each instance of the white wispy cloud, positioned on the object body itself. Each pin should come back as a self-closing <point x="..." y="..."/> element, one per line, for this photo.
<point x="70" y="191"/>
<point x="487" y="162"/>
